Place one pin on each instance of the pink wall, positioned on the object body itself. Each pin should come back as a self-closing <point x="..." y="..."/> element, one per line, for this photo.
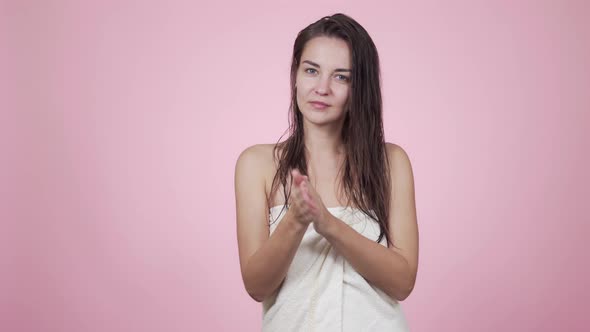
<point x="122" y="121"/>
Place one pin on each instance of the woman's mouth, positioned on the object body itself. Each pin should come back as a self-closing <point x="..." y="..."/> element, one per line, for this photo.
<point x="319" y="105"/>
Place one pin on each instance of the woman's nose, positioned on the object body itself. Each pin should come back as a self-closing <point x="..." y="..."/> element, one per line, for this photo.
<point x="323" y="86"/>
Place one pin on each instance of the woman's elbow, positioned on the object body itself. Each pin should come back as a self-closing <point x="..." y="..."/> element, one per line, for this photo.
<point x="401" y="294"/>
<point x="404" y="295"/>
<point x="256" y="296"/>
<point x="254" y="293"/>
<point x="257" y="293"/>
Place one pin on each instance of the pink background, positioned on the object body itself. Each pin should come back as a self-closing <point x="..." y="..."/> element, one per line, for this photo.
<point x="122" y="121"/>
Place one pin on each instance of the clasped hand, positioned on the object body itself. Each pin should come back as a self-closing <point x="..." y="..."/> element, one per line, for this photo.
<point x="307" y="205"/>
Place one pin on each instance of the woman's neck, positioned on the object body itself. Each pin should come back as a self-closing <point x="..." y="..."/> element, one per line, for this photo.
<point x="323" y="142"/>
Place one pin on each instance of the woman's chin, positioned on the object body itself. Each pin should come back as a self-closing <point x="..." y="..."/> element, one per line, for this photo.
<point x="321" y="120"/>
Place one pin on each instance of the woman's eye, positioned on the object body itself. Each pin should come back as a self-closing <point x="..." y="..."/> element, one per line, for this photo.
<point x="310" y="71"/>
<point x="342" y="77"/>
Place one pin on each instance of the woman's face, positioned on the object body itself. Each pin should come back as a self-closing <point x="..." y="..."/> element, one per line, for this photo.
<point x="323" y="80"/>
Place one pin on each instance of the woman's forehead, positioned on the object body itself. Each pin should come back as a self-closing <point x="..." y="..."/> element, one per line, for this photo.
<point x="327" y="52"/>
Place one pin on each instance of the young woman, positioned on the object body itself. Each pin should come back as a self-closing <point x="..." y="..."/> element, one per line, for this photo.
<point x="326" y="219"/>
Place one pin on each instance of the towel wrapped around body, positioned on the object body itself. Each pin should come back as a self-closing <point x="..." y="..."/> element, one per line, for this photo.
<point x="323" y="292"/>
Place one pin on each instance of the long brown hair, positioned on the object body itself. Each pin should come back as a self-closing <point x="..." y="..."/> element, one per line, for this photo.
<point x="365" y="171"/>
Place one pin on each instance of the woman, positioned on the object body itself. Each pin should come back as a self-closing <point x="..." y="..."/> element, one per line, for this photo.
<point x="326" y="220"/>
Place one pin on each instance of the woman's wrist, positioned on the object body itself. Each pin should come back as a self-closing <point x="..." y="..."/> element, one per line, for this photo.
<point x="329" y="227"/>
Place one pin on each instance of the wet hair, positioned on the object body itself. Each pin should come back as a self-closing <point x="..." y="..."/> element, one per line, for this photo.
<point x="364" y="175"/>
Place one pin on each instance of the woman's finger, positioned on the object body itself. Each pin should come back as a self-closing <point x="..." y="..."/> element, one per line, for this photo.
<point x="297" y="177"/>
<point x="305" y="192"/>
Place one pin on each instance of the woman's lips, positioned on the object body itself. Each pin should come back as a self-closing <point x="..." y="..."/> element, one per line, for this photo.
<point x="319" y="105"/>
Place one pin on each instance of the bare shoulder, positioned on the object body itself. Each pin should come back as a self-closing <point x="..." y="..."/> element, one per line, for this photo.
<point x="400" y="169"/>
<point x="398" y="157"/>
<point x="257" y="162"/>
<point x="258" y="157"/>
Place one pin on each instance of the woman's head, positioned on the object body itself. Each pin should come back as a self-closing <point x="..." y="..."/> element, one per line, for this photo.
<point x="322" y="80"/>
<point x="335" y="62"/>
<point x="344" y="44"/>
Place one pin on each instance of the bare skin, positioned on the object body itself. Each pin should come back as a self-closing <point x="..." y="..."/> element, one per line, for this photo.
<point x="265" y="258"/>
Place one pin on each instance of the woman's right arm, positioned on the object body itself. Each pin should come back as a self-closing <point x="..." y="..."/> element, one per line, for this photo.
<point x="264" y="260"/>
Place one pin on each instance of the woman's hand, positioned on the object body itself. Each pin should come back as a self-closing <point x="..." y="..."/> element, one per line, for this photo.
<point x="314" y="207"/>
<point x="300" y="206"/>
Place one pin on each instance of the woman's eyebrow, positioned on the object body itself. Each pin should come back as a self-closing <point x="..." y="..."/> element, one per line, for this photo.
<point x="318" y="66"/>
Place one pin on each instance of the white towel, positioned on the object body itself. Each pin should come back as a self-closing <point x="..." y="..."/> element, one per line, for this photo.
<point x="323" y="292"/>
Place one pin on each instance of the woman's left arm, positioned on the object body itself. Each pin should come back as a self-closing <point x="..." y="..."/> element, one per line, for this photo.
<point x="393" y="270"/>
